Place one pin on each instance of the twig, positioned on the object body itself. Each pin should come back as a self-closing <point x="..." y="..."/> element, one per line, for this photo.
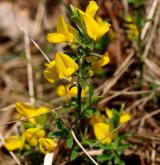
<point x="45" y="56"/>
<point x="7" y="108"/>
<point x="150" y="16"/>
<point x="84" y="150"/>
<point x="146" y="117"/>
<point x="125" y="4"/>
<point x="151" y="37"/>
<point x="107" y="85"/>
<point x="29" y="69"/>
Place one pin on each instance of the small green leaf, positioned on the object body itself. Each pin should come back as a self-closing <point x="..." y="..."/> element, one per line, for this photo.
<point x="59" y="124"/>
<point x="90" y="112"/>
<point x="103" y="157"/>
<point x="70" y="142"/>
<point x="42" y="119"/>
<point x="73" y="155"/>
<point x="27" y="125"/>
<point x="88" y="142"/>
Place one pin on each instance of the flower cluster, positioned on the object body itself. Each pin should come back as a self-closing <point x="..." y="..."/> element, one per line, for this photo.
<point x="102" y="127"/>
<point x="64" y="66"/>
<point x="70" y="91"/>
<point x="34" y="135"/>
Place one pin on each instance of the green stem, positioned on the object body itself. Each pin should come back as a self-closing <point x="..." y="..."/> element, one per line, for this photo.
<point x="78" y="122"/>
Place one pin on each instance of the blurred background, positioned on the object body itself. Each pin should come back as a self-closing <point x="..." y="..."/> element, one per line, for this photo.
<point x="132" y="77"/>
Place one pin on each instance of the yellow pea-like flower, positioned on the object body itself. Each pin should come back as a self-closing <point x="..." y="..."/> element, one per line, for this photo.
<point x="94" y="29"/>
<point x="125" y="117"/>
<point x="46" y="145"/>
<point x="50" y="72"/>
<point x="92" y="8"/>
<point x="65" y="33"/>
<point x="32" y="135"/>
<point x="104" y="60"/>
<point x="14" y="143"/>
<point x="108" y="113"/>
<point x="67" y="91"/>
<point x="98" y="63"/>
<point x="28" y="110"/>
<point x="101" y="131"/>
<point x="61" y="68"/>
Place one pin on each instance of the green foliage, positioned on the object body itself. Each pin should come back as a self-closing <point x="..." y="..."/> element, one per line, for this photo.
<point x="137" y="3"/>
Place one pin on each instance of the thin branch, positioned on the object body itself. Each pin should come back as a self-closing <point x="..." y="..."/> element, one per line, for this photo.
<point x="84" y="150"/>
<point x="149" y="17"/>
<point x="29" y="69"/>
<point x="42" y="52"/>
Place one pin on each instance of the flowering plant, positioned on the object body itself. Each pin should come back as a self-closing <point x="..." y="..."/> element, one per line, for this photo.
<point x="73" y="71"/>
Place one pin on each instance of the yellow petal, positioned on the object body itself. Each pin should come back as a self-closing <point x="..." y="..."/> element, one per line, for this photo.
<point x="66" y="30"/>
<point x="56" y="37"/>
<point x="41" y="110"/>
<point x="73" y="91"/>
<point x="25" y="109"/>
<point x="33" y="134"/>
<point x="104" y="60"/>
<point x="94" y="29"/>
<point x="91" y="26"/>
<point x="103" y="29"/>
<point x="14" y="142"/>
<point x="92" y="8"/>
<point x="65" y="65"/>
<point x="62" y="91"/>
<point x="73" y="31"/>
<point x="61" y="26"/>
<point x="46" y="145"/>
<point x="108" y="113"/>
<point x="50" y="72"/>
<point x="101" y="131"/>
<point x="125" y="117"/>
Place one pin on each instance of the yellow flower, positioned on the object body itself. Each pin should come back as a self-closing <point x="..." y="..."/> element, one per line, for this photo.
<point x="104" y="60"/>
<point x="95" y="29"/>
<point x="14" y="142"/>
<point x="98" y="63"/>
<point x="32" y="135"/>
<point x="101" y="130"/>
<point x="91" y="9"/>
<point x="65" y="33"/>
<point x="27" y="110"/>
<point x="61" y="68"/>
<point x="124" y="117"/>
<point x="70" y="91"/>
<point x="46" y="145"/>
<point x="108" y="113"/>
